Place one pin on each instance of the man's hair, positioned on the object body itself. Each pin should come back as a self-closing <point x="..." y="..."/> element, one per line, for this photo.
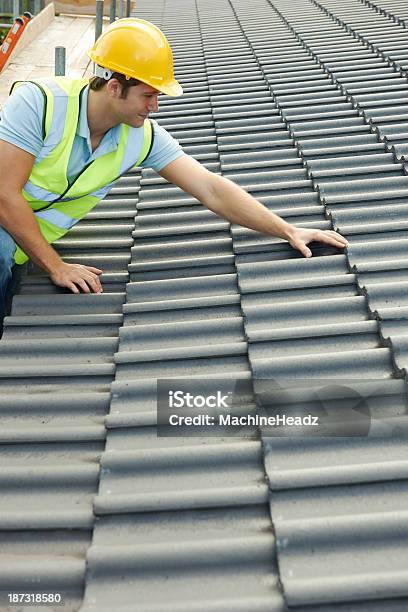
<point x="97" y="83"/>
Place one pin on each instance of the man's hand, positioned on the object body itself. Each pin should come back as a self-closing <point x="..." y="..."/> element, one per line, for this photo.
<point x="300" y="237"/>
<point x="76" y="275"/>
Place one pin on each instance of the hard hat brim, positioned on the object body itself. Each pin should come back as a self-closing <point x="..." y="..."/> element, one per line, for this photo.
<point x="173" y="89"/>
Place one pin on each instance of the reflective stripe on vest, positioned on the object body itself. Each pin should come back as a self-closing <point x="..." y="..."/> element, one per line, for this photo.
<point x="58" y="205"/>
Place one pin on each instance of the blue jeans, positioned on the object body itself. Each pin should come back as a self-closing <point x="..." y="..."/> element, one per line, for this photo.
<point x="7" y="250"/>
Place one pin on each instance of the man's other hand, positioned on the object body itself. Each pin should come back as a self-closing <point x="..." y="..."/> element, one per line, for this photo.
<point x="76" y="277"/>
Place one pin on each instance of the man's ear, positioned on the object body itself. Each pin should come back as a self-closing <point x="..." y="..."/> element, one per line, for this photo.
<point x="114" y="88"/>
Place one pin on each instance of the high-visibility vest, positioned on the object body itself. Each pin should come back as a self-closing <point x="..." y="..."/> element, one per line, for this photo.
<point x="57" y="204"/>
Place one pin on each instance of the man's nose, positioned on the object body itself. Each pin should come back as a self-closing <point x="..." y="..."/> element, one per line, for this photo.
<point x="153" y="104"/>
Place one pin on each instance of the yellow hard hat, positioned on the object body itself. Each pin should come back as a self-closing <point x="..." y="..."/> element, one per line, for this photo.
<point x="139" y="50"/>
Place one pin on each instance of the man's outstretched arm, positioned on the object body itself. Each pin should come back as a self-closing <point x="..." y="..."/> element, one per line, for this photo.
<point x="17" y="218"/>
<point x="233" y="203"/>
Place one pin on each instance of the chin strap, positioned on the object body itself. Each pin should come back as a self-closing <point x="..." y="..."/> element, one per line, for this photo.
<point x="104" y="73"/>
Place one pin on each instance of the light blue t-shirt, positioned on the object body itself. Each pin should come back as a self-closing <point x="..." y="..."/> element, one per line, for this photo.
<point x="21" y="125"/>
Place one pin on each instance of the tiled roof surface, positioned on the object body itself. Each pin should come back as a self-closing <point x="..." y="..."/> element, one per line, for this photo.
<point x="302" y="103"/>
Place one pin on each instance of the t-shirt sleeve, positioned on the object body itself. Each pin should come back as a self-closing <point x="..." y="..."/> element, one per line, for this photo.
<point x="21" y="118"/>
<point x="165" y="149"/>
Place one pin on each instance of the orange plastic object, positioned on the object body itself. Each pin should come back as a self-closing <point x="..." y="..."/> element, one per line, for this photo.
<point x="12" y="37"/>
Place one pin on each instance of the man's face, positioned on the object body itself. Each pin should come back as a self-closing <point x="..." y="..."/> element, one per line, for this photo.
<point x="141" y="100"/>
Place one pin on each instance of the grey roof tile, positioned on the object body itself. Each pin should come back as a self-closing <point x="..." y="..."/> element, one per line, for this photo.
<point x="324" y="331"/>
<point x="62" y="326"/>
<point x="242" y="178"/>
<point x="302" y="314"/>
<point x="61" y="553"/>
<point x="181" y="304"/>
<point x="380" y="212"/>
<point x="346" y="163"/>
<point x="216" y="491"/>
<point x="289" y="274"/>
<point x="390" y="245"/>
<point x="176" y="288"/>
<point x="182" y="334"/>
<point x="370" y="536"/>
<point x="201" y="245"/>
<point x="396" y="332"/>
<point x="108" y="303"/>
<point x="196" y="221"/>
<point x="245" y="589"/>
<point x="60" y="350"/>
<point x="189" y="310"/>
<point x="390" y="294"/>
<point x="277" y="138"/>
<point x="223" y="355"/>
<point x="64" y="573"/>
<point x="371" y="362"/>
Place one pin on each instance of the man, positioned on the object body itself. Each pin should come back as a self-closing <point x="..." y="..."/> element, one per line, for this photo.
<point x="64" y="142"/>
